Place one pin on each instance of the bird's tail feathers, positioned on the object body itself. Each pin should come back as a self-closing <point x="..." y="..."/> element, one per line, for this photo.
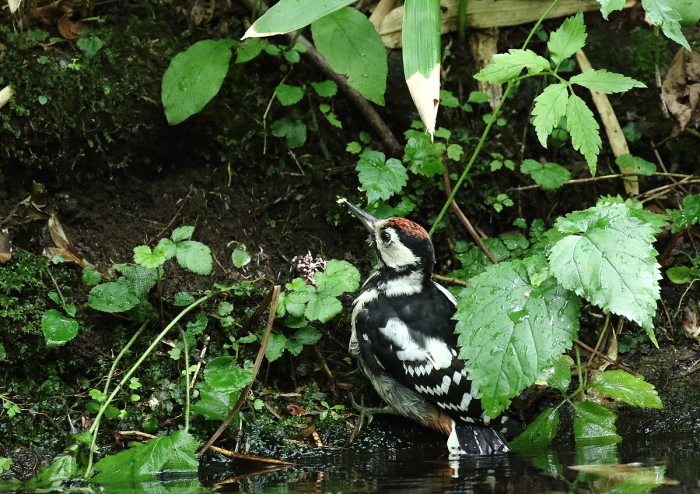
<point x="476" y="440"/>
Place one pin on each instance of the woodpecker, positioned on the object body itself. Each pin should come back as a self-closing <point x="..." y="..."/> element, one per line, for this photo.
<point x="403" y="337"/>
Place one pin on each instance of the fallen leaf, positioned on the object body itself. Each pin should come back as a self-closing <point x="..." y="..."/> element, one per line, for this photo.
<point x="69" y="25"/>
<point x="680" y="91"/>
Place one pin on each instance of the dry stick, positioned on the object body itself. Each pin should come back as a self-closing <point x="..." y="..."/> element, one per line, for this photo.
<point x="465" y="221"/>
<point x="616" y="138"/>
<point x="605" y="357"/>
<point x="273" y="301"/>
<point x="447" y="279"/>
<point x="241" y="456"/>
<point x="376" y="121"/>
<point x="608" y="177"/>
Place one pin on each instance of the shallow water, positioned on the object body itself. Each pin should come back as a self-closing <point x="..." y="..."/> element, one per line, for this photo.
<point x="665" y="463"/>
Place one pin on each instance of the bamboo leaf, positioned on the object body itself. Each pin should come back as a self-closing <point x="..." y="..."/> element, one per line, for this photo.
<point x="290" y="15"/>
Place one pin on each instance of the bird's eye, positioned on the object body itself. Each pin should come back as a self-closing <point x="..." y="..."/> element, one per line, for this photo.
<point x="386" y="238"/>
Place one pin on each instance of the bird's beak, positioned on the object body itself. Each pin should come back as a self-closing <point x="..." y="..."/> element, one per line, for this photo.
<point x="367" y="219"/>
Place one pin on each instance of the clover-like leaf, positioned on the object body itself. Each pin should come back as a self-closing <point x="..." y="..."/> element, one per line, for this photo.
<point x="514" y="321"/>
<point x="112" y="297"/>
<point x="57" y="328"/>
<point x="289" y="95"/>
<point x="380" y="178"/>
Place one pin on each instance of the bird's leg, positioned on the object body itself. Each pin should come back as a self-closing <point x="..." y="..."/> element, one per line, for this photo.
<point x="371" y="411"/>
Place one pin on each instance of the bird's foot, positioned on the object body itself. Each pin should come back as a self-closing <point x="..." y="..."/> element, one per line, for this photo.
<point x="369" y="412"/>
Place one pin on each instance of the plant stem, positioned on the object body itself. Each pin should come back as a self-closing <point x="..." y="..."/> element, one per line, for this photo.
<point x="96" y="424"/>
<point x="187" y="381"/>
<point x="486" y="131"/>
<point x="121" y="354"/>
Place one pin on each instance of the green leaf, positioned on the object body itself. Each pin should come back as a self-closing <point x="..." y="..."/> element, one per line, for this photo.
<point x="631" y="389"/>
<point x="608" y="258"/>
<point x="174" y="454"/>
<point x="549" y="175"/>
<point x="138" y="279"/>
<point x="339" y="277"/>
<point x="325" y="89"/>
<point x="514" y="321"/>
<point x="275" y="346"/>
<point x="91" y="276"/>
<point x="661" y="14"/>
<point x="299" y="295"/>
<point x="323" y="307"/>
<point x="112" y="297"/>
<point x="680" y="275"/>
<point x="182" y="299"/>
<point x="90" y="45"/>
<point x="423" y="155"/>
<point x="293" y="130"/>
<point x="550" y="106"/>
<point x="240" y="257"/>
<point x="351" y="45"/>
<point x="57" y="328"/>
<point x="194" y="256"/>
<point x="584" y="130"/>
<point x="638" y="165"/>
<point x="508" y="66"/>
<point x="455" y="152"/>
<point x="289" y="95"/>
<point x="194" y="77"/>
<point x="224" y="375"/>
<point x="558" y="376"/>
<point x="690" y="215"/>
<point x="289" y="15"/>
<point x="539" y="433"/>
<point x="568" y="39"/>
<point x="212" y="404"/>
<point x="149" y="259"/>
<point x="380" y="178"/>
<point x="594" y="424"/>
<point x="605" y="82"/>
<point x="308" y="335"/>
<point x="182" y="233"/>
<point x="608" y="6"/>
<point x="249" y="49"/>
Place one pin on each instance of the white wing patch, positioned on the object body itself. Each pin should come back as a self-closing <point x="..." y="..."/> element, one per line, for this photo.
<point x="446" y="292"/>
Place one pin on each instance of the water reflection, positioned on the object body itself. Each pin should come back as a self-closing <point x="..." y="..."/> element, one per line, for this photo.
<point x="638" y="465"/>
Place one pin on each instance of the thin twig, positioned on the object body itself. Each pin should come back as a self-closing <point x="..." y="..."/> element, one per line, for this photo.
<point x="606" y="358"/>
<point x="273" y="301"/>
<point x="463" y="218"/>
<point x="241" y="456"/>
<point x="447" y="279"/>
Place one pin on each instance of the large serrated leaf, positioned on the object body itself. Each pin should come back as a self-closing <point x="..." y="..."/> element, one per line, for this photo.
<point x="608" y="258"/>
<point x="194" y="77"/>
<point x="514" y="320"/>
<point x="568" y="39"/>
<point x="583" y="128"/>
<point x="631" y="389"/>
<point x="351" y="45"/>
<point x="174" y="453"/>
<point x="289" y="15"/>
<point x="550" y="106"/>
